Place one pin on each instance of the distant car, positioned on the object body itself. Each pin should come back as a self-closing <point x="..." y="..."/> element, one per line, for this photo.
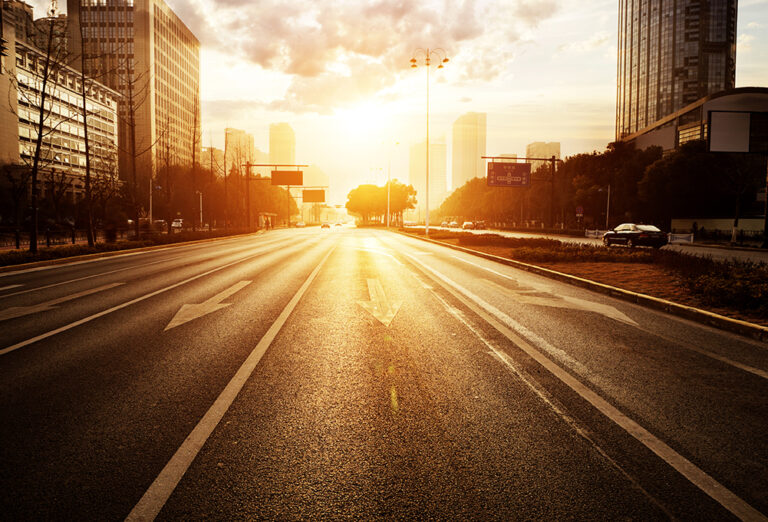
<point x="325" y="225"/>
<point x="468" y="225"/>
<point x="178" y="223"/>
<point x="301" y="224"/>
<point x="453" y="224"/>
<point x="337" y="224"/>
<point x="444" y="224"/>
<point x="633" y="235"/>
<point x="479" y="225"/>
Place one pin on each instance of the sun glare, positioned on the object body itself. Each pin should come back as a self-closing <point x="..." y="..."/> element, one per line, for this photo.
<point x="364" y="121"/>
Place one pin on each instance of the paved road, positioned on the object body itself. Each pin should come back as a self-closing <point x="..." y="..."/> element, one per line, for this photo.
<point x="346" y="373"/>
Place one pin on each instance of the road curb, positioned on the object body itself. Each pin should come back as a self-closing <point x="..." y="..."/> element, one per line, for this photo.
<point x="744" y="328"/>
<point x="113" y="253"/>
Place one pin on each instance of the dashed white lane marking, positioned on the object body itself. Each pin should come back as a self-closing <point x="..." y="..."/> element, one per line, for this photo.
<point x="689" y="470"/>
<point x="20" y="311"/>
<point x="158" y="493"/>
<point x="9" y="287"/>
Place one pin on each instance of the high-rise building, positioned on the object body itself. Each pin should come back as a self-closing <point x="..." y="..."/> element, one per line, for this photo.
<point x="239" y="147"/>
<point x="143" y="50"/>
<point x="62" y="159"/>
<point x="468" y="148"/>
<point x="438" y="175"/>
<point x="282" y="144"/>
<point x="541" y="149"/>
<point x="670" y="54"/>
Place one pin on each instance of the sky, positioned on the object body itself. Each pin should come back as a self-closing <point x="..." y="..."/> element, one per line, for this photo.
<point x="338" y="72"/>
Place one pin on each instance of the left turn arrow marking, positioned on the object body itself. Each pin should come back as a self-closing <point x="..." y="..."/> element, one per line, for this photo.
<point x="190" y="312"/>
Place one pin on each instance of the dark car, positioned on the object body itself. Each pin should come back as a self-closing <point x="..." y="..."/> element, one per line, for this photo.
<point x="633" y="235"/>
<point x="325" y="225"/>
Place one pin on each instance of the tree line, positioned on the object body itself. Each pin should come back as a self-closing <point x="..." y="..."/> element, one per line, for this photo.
<point x="645" y="186"/>
<point x="369" y="202"/>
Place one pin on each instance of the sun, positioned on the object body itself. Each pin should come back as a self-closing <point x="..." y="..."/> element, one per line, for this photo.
<point x="365" y="121"/>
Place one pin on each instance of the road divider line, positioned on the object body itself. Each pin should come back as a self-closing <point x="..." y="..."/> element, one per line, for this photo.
<point x="161" y="488"/>
<point x="9" y="287"/>
<point x="20" y="311"/>
<point x="698" y="477"/>
<point x="90" y="318"/>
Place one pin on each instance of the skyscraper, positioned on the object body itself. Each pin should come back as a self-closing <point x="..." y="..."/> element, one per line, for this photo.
<point x="239" y="148"/>
<point x="468" y="148"/>
<point x="282" y="144"/>
<point x="541" y="149"/>
<point x="670" y="54"/>
<point x="438" y="153"/>
<point x="144" y="51"/>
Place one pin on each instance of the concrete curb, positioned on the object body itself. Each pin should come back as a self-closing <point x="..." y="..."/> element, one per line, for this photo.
<point x="744" y="328"/>
<point x="113" y="253"/>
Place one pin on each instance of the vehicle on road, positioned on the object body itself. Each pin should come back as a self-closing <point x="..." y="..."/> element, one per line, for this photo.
<point x="177" y="224"/>
<point x="632" y="235"/>
<point x="468" y="225"/>
<point x="453" y="224"/>
<point x="337" y="224"/>
<point x="325" y="225"/>
<point x="444" y="224"/>
<point x="480" y="225"/>
<point x="301" y="224"/>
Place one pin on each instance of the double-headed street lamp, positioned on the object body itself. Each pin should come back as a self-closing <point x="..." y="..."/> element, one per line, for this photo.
<point x="441" y="59"/>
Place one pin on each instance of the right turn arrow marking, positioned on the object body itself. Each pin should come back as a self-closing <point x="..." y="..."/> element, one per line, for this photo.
<point x="379" y="306"/>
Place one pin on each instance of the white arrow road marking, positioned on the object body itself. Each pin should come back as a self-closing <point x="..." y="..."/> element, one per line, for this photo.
<point x="9" y="287"/>
<point x="379" y="307"/>
<point x="543" y="298"/>
<point x="20" y="311"/>
<point x="190" y="312"/>
<point x="541" y="294"/>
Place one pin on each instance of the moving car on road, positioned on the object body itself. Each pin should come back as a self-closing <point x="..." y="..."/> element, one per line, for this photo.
<point x="633" y="235"/>
<point x="468" y="225"/>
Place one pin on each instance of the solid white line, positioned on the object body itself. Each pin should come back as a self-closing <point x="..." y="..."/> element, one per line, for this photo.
<point x="46" y="335"/>
<point x="693" y="473"/>
<point x="9" y="287"/>
<point x="706" y="353"/>
<point x="160" y="490"/>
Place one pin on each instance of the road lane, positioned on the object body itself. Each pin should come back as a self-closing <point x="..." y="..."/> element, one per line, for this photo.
<point x="437" y="413"/>
<point x="96" y="411"/>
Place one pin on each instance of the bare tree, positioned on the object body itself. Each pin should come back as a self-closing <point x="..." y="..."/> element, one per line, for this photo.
<point x="59" y="185"/>
<point x="195" y="143"/>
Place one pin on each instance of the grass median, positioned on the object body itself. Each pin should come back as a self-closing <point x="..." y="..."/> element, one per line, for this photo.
<point x="734" y="288"/>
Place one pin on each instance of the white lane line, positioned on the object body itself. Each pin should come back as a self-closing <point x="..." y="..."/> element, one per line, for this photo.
<point x="9" y="287"/>
<point x="547" y="399"/>
<point x="51" y="333"/>
<point x="161" y="488"/>
<point x="84" y="278"/>
<point x="690" y="471"/>
<point x="20" y="311"/>
<point x="707" y="353"/>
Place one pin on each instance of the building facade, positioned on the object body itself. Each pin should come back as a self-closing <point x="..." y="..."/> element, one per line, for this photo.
<point x="62" y="158"/>
<point x="438" y="175"/>
<point x="239" y="147"/>
<point x="143" y="50"/>
<point x="541" y="149"/>
<point x="282" y="144"/>
<point x="469" y="139"/>
<point x="670" y="54"/>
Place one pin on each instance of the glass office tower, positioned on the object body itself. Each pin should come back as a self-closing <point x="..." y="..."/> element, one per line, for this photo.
<point x="670" y="54"/>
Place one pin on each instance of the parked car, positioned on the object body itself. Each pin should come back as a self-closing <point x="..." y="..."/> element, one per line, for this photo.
<point x="444" y="224"/>
<point x="453" y="224"/>
<point x="177" y="223"/>
<point x="468" y="225"/>
<point x="633" y="235"/>
<point x="479" y="225"/>
<point x="325" y="225"/>
<point x="301" y="224"/>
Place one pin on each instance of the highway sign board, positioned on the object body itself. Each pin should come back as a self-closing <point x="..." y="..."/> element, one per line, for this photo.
<point x="294" y="178"/>
<point x="313" y="196"/>
<point x="503" y="174"/>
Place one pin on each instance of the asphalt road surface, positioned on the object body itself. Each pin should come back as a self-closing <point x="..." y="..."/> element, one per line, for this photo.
<point x="351" y="373"/>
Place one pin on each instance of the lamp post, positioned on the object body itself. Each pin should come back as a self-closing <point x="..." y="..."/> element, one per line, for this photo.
<point x="389" y="180"/>
<point x="200" y="194"/>
<point x="442" y="58"/>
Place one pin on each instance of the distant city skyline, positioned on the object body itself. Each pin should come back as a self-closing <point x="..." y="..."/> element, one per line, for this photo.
<point x="542" y="71"/>
<point x="469" y="145"/>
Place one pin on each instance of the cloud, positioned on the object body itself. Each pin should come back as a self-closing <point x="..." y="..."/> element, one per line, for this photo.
<point x="596" y="41"/>
<point x="336" y="51"/>
<point x="744" y="43"/>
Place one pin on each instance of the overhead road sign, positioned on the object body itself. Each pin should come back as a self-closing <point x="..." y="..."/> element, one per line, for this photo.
<point x="313" y="196"/>
<point x="509" y="174"/>
<point x="292" y="178"/>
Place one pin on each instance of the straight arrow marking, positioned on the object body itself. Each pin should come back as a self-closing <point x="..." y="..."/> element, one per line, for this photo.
<point x="379" y="306"/>
<point x="20" y="311"/>
<point x="189" y="312"/>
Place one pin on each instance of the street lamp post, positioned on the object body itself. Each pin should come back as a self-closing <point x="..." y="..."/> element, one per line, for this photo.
<point x="427" y="55"/>
<point x="199" y="193"/>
